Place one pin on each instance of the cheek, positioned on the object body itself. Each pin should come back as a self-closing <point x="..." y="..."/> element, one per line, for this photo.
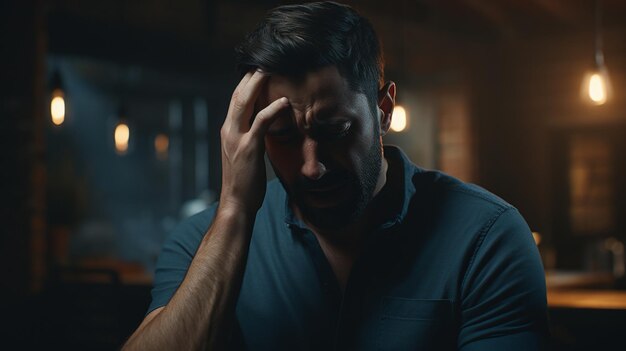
<point x="360" y="145"/>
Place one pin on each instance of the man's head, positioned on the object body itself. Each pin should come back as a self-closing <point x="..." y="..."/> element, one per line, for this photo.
<point x="326" y="148"/>
<point x="296" y="39"/>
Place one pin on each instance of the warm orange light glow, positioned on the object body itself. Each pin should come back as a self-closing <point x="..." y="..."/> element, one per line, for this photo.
<point x="122" y="136"/>
<point x="161" y="145"/>
<point x="398" y="119"/>
<point x="596" y="87"/>
<point x="537" y="238"/>
<point x="57" y="107"/>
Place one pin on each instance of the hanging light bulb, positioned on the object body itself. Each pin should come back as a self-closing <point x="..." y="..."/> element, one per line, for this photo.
<point x="596" y="87"/>
<point x="121" y="134"/>
<point x="398" y="119"/>
<point x="57" y="107"/>
<point x="57" y="102"/>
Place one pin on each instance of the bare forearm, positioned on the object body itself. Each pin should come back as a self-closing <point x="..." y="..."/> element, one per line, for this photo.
<point x="201" y="312"/>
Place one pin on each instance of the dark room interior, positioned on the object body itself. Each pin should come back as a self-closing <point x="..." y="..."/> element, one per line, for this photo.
<point x="111" y="116"/>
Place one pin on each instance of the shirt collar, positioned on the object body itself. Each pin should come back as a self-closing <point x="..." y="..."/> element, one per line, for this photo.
<point x="397" y="158"/>
<point x="290" y="217"/>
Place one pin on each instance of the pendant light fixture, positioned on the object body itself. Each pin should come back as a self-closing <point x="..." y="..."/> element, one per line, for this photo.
<point x="57" y="100"/>
<point x="121" y="134"/>
<point x="399" y="117"/>
<point x="596" y="87"/>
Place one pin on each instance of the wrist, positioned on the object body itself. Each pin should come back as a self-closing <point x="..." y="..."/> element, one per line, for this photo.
<point x="229" y="209"/>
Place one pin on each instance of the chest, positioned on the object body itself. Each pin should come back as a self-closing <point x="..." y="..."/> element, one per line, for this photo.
<point x="340" y="260"/>
<point x="302" y="299"/>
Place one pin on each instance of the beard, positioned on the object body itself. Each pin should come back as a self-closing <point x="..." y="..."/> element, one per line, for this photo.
<point x="356" y="192"/>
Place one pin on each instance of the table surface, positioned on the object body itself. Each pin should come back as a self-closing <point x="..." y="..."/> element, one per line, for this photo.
<point x="577" y="290"/>
<point x="594" y="299"/>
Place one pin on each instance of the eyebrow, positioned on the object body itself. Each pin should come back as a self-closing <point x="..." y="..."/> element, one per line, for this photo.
<point x="326" y="115"/>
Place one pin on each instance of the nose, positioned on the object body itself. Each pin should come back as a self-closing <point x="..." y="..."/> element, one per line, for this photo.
<point x="312" y="167"/>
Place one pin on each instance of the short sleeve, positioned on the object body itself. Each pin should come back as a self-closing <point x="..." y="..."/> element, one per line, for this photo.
<point x="176" y="256"/>
<point x="503" y="303"/>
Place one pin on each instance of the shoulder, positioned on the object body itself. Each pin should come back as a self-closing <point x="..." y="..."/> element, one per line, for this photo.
<point x="500" y="276"/>
<point x="176" y="255"/>
<point x="442" y="184"/>
<point x="467" y="220"/>
<point x="439" y="194"/>
<point x="187" y="235"/>
<point x="450" y="199"/>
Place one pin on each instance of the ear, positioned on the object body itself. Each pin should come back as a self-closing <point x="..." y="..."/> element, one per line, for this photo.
<point x="386" y="102"/>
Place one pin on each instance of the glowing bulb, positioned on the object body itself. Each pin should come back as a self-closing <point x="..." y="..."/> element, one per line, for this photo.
<point x="398" y="120"/>
<point x="161" y="144"/>
<point x="597" y="89"/>
<point x="57" y="107"/>
<point x="122" y="135"/>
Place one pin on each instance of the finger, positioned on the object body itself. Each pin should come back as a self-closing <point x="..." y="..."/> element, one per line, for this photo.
<point x="244" y="102"/>
<point x="266" y="116"/>
<point x="242" y="83"/>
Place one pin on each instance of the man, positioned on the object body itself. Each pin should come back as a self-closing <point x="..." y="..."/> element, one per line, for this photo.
<point x="353" y="247"/>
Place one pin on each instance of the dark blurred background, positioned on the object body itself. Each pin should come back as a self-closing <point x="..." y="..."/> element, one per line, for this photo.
<point x="110" y="117"/>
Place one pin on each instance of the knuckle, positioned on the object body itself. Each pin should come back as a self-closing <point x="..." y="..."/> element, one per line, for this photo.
<point x="240" y="103"/>
<point x="235" y="94"/>
<point x="247" y="140"/>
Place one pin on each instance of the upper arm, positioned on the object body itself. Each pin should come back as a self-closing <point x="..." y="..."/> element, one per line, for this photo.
<point x="503" y="292"/>
<point x="523" y="341"/>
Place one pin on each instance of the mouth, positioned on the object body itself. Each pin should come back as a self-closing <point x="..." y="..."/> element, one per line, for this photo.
<point x="327" y="187"/>
<point x="327" y="195"/>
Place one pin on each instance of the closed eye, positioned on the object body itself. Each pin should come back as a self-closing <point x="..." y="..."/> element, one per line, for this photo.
<point x="333" y="131"/>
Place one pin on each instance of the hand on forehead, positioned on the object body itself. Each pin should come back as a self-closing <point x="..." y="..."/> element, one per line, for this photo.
<point x="315" y="93"/>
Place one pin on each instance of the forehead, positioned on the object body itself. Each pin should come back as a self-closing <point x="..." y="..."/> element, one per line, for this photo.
<point x="322" y="80"/>
<point x="324" y="88"/>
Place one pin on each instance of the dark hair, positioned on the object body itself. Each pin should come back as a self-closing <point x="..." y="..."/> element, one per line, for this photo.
<point x="293" y="40"/>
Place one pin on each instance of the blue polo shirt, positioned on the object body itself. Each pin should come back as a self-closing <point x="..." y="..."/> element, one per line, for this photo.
<point x="450" y="266"/>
